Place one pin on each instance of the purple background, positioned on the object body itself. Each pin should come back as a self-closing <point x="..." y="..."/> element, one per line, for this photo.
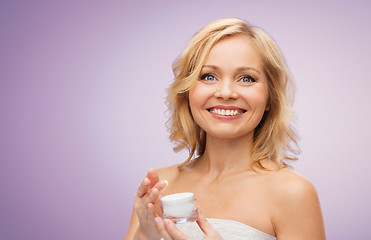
<point x="82" y="106"/>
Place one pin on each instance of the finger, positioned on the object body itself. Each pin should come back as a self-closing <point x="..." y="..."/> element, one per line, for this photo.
<point x="151" y="212"/>
<point x="174" y="232"/>
<point x="161" y="185"/>
<point x="143" y="187"/>
<point x="155" y="192"/>
<point x="162" y="229"/>
<point x="203" y="223"/>
<point x="153" y="196"/>
<point x="153" y="177"/>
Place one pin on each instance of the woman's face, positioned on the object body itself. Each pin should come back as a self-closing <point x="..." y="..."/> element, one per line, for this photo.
<point x="230" y="96"/>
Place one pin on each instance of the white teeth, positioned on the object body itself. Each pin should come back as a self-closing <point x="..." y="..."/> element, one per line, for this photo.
<point x="225" y="112"/>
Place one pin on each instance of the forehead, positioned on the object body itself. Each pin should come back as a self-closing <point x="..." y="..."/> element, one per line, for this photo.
<point x="234" y="51"/>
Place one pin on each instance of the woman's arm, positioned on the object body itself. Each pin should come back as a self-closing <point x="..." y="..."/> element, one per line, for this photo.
<point x="132" y="227"/>
<point x="297" y="211"/>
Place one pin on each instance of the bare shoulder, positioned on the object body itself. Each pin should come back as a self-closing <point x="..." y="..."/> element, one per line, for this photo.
<point x="286" y="183"/>
<point x="296" y="210"/>
<point x="288" y="188"/>
<point x="168" y="173"/>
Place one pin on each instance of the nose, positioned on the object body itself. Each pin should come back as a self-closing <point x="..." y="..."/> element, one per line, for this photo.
<point x="226" y="90"/>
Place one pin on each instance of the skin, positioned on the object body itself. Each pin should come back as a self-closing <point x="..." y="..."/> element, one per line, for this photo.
<point x="278" y="202"/>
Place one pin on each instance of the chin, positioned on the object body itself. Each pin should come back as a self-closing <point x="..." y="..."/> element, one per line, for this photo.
<point x="225" y="134"/>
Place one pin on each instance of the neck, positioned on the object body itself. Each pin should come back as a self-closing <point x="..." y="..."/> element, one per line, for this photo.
<point x="223" y="156"/>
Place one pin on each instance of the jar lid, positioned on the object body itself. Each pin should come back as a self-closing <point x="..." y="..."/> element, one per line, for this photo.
<point x="177" y="198"/>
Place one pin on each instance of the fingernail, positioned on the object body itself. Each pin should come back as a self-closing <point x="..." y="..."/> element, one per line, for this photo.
<point x="166" y="182"/>
<point x="157" y="220"/>
<point x="146" y="182"/>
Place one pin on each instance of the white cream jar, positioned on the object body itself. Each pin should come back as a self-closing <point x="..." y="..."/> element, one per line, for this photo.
<point x="179" y="207"/>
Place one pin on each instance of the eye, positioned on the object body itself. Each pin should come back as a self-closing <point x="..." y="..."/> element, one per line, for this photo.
<point x="247" y="79"/>
<point x="208" y="77"/>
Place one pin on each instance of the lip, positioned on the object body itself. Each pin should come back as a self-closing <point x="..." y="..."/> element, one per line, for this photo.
<point x="224" y="117"/>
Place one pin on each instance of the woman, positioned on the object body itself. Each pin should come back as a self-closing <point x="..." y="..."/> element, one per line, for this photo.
<point x="230" y="105"/>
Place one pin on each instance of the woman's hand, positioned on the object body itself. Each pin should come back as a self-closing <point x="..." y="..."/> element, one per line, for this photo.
<point x="145" y="198"/>
<point x="170" y="232"/>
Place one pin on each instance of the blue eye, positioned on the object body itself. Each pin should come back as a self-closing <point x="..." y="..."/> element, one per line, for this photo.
<point x="248" y="79"/>
<point x="208" y="77"/>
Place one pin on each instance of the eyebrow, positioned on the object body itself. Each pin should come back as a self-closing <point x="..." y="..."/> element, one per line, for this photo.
<point x="239" y="68"/>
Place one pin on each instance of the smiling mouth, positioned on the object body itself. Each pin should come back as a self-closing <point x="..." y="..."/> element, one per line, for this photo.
<point x="226" y="112"/>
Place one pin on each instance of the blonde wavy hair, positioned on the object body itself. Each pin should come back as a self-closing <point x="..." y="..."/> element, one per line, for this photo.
<point x="274" y="137"/>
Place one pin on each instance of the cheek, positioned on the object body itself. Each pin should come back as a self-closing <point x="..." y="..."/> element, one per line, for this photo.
<point x="196" y="96"/>
<point x="258" y="99"/>
<point x="193" y="100"/>
<point x="192" y="97"/>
